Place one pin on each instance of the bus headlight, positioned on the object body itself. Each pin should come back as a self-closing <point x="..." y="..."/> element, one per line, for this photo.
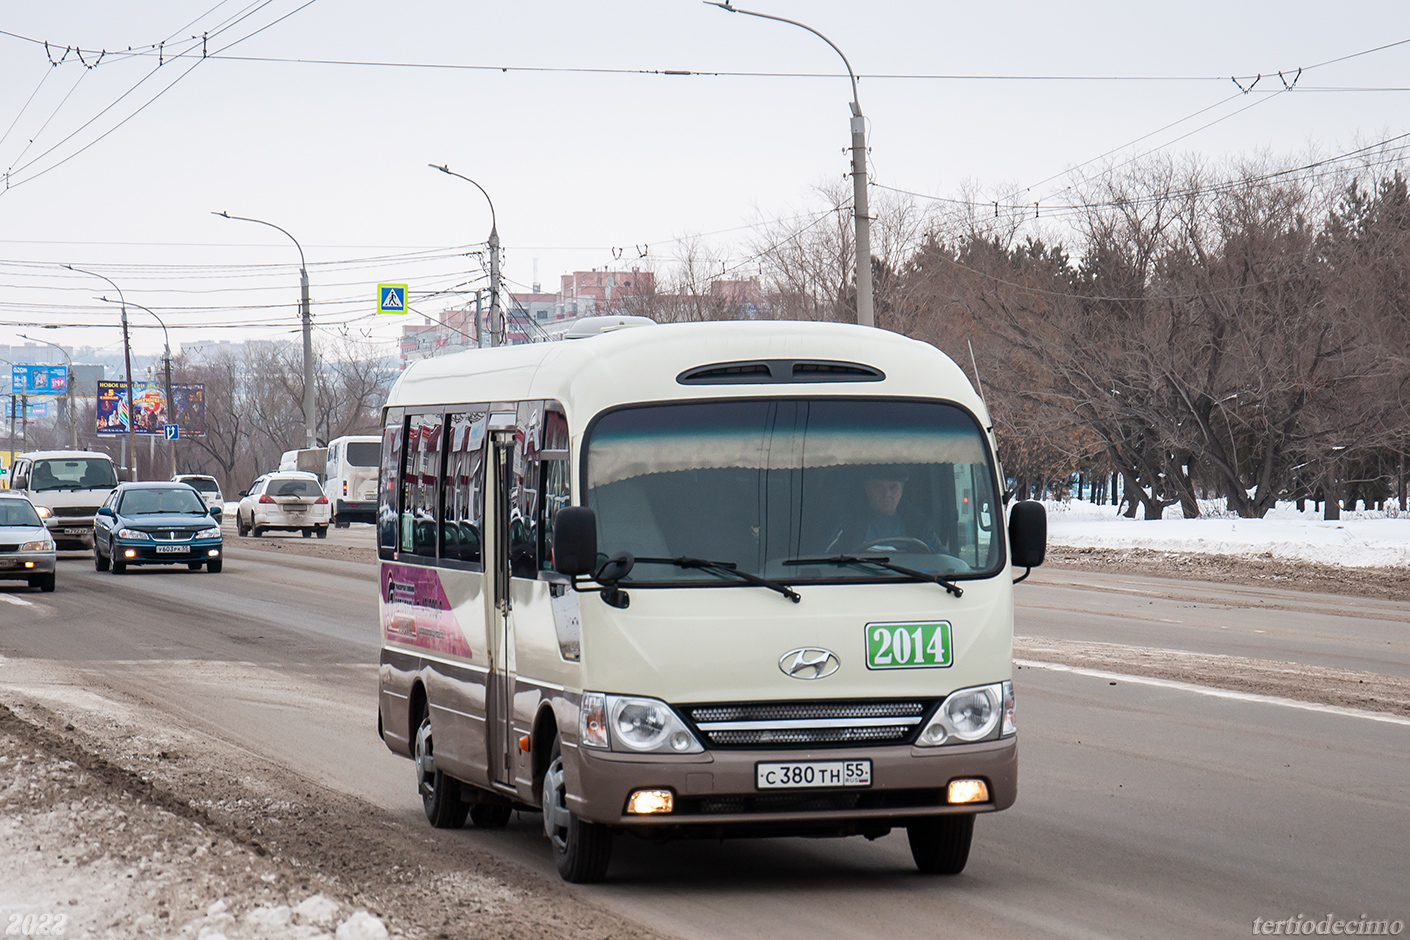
<point x="634" y="723"/>
<point x="969" y="715"/>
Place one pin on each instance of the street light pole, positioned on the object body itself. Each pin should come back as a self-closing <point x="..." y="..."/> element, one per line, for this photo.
<point x="310" y="440"/>
<point x="170" y="401"/>
<point x="497" y="331"/>
<point x="127" y="361"/>
<point x="73" y="417"/>
<point x="861" y="209"/>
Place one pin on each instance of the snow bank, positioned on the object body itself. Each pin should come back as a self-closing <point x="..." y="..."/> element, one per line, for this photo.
<point x="1359" y="539"/>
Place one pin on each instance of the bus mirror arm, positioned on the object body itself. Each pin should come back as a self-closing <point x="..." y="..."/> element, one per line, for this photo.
<point x="1026" y="573"/>
<point x="610" y="574"/>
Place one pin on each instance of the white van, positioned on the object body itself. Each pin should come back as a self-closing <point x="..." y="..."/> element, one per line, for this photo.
<point x="697" y="581"/>
<point x="351" y="484"/>
<point x="66" y="487"/>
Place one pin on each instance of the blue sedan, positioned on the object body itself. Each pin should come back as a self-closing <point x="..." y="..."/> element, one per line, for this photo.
<point x="156" y="524"/>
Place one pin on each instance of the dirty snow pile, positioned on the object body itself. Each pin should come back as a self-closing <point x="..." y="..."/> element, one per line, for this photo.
<point x="1360" y="539"/>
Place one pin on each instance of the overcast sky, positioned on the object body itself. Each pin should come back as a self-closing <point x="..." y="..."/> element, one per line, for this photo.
<point x="590" y="160"/>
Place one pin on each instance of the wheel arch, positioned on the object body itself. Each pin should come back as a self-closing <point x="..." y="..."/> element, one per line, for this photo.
<point x="544" y="731"/>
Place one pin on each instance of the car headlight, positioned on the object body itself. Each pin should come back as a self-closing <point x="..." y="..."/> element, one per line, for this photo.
<point x="211" y="533"/>
<point x="132" y="534"/>
<point x="44" y="511"/>
<point x="969" y="715"/>
<point x="39" y="545"/>
<point x="632" y="723"/>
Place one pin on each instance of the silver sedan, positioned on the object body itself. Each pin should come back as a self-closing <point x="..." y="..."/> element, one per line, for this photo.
<point x="26" y="547"/>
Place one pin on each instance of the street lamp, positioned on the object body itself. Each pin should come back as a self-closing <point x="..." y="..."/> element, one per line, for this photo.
<point x="73" y="416"/>
<point x="861" y="211"/>
<point x="127" y="361"/>
<point x="170" y="401"/>
<point x="496" y="327"/>
<point x="309" y="439"/>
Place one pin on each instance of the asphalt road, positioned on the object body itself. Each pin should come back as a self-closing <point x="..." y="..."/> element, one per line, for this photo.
<point x="1143" y="811"/>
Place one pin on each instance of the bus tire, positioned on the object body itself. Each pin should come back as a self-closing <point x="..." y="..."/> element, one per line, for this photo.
<point x="490" y="815"/>
<point x="581" y="850"/>
<point x="440" y="795"/>
<point x="940" y="844"/>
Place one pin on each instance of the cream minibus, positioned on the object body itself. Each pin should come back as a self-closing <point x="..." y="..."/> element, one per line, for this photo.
<point x="701" y="580"/>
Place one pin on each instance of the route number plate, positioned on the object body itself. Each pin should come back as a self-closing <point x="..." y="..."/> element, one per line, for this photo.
<point x="909" y="645"/>
<point x="812" y="774"/>
<point x="172" y="549"/>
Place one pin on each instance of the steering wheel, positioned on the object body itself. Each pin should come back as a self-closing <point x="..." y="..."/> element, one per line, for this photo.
<point x="903" y="544"/>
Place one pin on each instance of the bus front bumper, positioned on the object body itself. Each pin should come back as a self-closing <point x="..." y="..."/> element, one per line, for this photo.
<point x="714" y="793"/>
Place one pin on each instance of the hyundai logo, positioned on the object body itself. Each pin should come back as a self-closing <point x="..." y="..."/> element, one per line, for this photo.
<point x="809" y="662"/>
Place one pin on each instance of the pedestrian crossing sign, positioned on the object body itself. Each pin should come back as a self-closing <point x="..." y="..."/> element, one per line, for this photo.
<point x="391" y="298"/>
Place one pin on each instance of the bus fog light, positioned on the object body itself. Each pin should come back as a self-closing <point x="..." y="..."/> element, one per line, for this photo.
<point x="646" y="802"/>
<point x="129" y="553"/>
<point x="967" y="791"/>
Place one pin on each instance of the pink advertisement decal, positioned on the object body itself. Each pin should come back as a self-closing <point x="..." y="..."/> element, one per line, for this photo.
<point x="415" y="611"/>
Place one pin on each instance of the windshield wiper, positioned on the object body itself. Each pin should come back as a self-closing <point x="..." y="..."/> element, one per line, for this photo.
<point x="880" y="561"/>
<point x="730" y="568"/>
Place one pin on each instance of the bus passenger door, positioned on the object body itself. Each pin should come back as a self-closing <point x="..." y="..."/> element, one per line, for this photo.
<point x="499" y="710"/>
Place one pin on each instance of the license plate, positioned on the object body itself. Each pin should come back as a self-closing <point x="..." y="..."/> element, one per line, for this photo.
<point x="295" y="508"/>
<point x="173" y="549"/>
<point x="9" y="562"/>
<point x="791" y="775"/>
<point x="76" y="531"/>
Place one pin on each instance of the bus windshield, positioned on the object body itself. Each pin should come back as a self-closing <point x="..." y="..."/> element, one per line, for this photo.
<point x="761" y="485"/>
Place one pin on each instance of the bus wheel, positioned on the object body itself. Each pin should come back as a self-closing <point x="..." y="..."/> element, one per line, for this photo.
<point x="490" y="815"/>
<point x="940" y="845"/>
<point x="440" y="795"/>
<point x="582" y="850"/>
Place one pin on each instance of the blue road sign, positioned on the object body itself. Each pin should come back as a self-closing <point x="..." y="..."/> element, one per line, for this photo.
<point x="391" y="298"/>
<point x="172" y="431"/>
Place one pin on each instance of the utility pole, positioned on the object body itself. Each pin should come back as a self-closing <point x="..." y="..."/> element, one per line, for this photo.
<point x="127" y="362"/>
<point x="310" y="437"/>
<point x="861" y="208"/>
<point x="497" y="333"/>
<point x="166" y="356"/>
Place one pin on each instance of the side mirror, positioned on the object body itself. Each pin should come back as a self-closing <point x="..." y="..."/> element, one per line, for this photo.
<point x="575" y="541"/>
<point x="215" y="511"/>
<point x="105" y="511"/>
<point x="1028" y="534"/>
<point x="244" y="493"/>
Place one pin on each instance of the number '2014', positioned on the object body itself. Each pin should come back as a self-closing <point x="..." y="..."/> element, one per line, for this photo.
<point x="907" y="647"/>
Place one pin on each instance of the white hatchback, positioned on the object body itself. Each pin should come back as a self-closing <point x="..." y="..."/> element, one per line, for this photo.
<point x="286" y="500"/>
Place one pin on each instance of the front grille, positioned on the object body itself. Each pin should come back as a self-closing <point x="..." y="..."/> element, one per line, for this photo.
<point x="169" y="535"/>
<point x="75" y="510"/>
<point x="10" y="548"/>
<point x="807" y="724"/>
<point x="813" y="802"/>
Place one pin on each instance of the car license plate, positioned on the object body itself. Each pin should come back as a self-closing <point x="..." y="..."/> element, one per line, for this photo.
<point x="788" y="775"/>
<point x="76" y="531"/>
<point x="9" y="562"/>
<point x="295" y="508"/>
<point x="172" y="549"/>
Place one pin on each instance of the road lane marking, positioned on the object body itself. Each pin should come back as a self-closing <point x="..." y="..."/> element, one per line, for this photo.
<point x="17" y="601"/>
<point x="1216" y="693"/>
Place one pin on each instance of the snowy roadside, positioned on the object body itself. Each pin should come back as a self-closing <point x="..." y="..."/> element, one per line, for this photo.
<point x="1360" y="539"/>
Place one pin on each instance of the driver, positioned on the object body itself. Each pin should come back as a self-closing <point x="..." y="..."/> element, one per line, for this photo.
<point x="882" y="518"/>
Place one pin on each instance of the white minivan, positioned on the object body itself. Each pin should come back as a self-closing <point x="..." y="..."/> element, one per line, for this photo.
<point x="701" y="580"/>
<point x="66" y="488"/>
<point x="351" y="480"/>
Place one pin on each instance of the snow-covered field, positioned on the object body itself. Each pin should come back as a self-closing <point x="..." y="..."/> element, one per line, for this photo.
<point x="1359" y="539"/>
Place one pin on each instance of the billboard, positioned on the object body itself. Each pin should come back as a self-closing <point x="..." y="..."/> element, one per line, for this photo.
<point x="152" y="412"/>
<point x="39" y="380"/>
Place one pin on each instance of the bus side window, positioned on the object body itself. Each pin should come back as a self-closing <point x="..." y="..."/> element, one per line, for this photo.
<point x="423" y="470"/>
<point x="556" y="489"/>
<point x="524" y="493"/>
<point x="388" y="509"/>
<point x="463" y="488"/>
